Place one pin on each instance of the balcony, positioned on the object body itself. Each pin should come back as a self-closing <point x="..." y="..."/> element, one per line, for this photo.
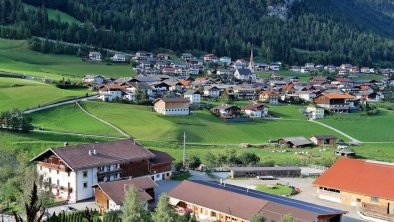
<point x="104" y="173"/>
<point x="62" y="188"/>
<point x="60" y="167"/>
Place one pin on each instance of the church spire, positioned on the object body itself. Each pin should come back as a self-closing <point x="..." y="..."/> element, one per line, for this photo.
<point x="251" y="61"/>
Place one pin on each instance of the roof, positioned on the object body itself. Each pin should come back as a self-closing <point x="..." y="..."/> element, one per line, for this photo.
<point x="115" y="190"/>
<point x="244" y="72"/>
<point x="297" y="141"/>
<point x="324" y="137"/>
<point x="77" y="157"/>
<point x="191" y="92"/>
<point x="224" y="107"/>
<point x="161" y="157"/>
<point x="338" y="96"/>
<point x="252" y="106"/>
<point x="244" y="169"/>
<point x="173" y="100"/>
<point x="245" y="203"/>
<point x="365" y="177"/>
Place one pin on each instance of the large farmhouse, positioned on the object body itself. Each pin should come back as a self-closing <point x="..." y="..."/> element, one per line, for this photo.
<point x="216" y="201"/>
<point x="71" y="171"/>
<point x="362" y="183"/>
<point x="335" y="102"/>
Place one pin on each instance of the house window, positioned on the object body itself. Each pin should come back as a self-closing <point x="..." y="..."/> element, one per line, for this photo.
<point x="158" y="175"/>
<point x="358" y="200"/>
<point x="57" y="171"/>
<point x="40" y="167"/>
<point x="168" y="174"/>
<point x="85" y="173"/>
<point x="50" y="170"/>
<point x="85" y="185"/>
<point x="68" y="173"/>
<point x="375" y="199"/>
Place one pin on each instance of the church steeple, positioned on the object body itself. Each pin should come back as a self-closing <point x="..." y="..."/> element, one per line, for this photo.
<point x="251" y="61"/>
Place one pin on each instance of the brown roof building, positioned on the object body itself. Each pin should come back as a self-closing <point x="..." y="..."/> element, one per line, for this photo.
<point x="73" y="170"/>
<point x="110" y="195"/>
<point x="212" y="200"/>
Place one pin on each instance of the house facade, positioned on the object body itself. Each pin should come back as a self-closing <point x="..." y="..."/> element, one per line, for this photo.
<point x="245" y="75"/>
<point x="315" y="112"/>
<point x="271" y="97"/>
<point x="95" y="56"/>
<point x="335" y="102"/>
<point x="257" y="110"/>
<point x="119" y="57"/>
<point x="71" y="171"/>
<point x="193" y="95"/>
<point x="172" y="106"/>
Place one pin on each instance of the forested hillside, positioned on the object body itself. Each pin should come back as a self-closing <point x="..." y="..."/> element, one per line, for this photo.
<point x="323" y="31"/>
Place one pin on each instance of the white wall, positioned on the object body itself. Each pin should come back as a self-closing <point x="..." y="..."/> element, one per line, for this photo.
<point x="90" y="179"/>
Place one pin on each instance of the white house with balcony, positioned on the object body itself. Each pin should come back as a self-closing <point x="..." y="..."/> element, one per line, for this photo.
<point x="193" y="95"/>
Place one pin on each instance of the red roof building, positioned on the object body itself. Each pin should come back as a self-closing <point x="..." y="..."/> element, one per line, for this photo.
<point x="363" y="183"/>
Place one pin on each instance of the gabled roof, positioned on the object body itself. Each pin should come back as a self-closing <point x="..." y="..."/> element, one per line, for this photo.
<point x="191" y="92"/>
<point x="244" y="72"/>
<point x="252" y="106"/>
<point x="115" y="190"/>
<point x="338" y="96"/>
<point x="365" y="177"/>
<point x="297" y="141"/>
<point x="324" y="137"/>
<point x="78" y="158"/>
<point x="245" y="203"/>
<point x="161" y="157"/>
<point x="173" y="100"/>
<point x="224" y="107"/>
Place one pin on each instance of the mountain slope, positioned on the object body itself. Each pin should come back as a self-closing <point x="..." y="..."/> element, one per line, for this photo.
<point x="322" y="31"/>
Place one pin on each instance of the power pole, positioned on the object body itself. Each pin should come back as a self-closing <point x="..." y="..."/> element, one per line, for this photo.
<point x="184" y="149"/>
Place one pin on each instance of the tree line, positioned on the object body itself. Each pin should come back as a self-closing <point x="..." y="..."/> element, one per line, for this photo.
<point x="316" y="31"/>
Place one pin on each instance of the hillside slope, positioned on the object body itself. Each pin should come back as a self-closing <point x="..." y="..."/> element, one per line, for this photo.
<point x="323" y="31"/>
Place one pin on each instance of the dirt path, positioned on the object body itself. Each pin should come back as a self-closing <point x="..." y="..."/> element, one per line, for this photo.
<point x="103" y="121"/>
<point x="60" y="104"/>
<point x="338" y="131"/>
<point x="77" y="134"/>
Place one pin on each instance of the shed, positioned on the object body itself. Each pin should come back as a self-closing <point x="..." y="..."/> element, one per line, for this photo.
<point x="295" y="142"/>
<point x="322" y="140"/>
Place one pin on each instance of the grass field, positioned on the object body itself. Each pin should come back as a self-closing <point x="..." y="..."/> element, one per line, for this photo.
<point x="275" y="189"/>
<point x="369" y="77"/>
<point x="22" y="94"/>
<point x="70" y="118"/>
<point x="54" y="14"/>
<point x="15" y="57"/>
<point x="377" y="128"/>
<point x="200" y="127"/>
<point x="285" y="73"/>
<point x="34" y="143"/>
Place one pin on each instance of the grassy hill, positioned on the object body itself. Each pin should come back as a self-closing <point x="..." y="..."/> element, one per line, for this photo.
<point x="22" y="94"/>
<point x="377" y="128"/>
<point x="70" y="118"/>
<point x="15" y="57"/>
<point x="55" y="14"/>
<point x="201" y="126"/>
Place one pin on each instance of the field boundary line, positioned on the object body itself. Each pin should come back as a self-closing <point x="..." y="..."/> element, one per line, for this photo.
<point x="338" y="131"/>
<point x="103" y="121"/>
<point x="76" y="134"/>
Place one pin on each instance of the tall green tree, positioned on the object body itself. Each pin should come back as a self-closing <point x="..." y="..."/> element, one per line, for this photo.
<point x="164" y="211"/>
<point x="133" y="208"/>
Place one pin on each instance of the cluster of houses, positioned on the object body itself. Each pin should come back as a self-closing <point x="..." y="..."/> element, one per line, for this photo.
<point x="343" y="69"/>
<point x="104" y="171"/>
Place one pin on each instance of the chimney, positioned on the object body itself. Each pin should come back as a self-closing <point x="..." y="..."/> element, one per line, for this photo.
<point x="90" y="152"/>
<point x="65" y="144"/>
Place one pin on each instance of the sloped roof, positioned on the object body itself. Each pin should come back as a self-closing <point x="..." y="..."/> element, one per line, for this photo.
<point x="115" y="190"/>
<point x="252" y="106"/>
<point x="365" y="177"/>
<point x="244" y="72"/>
<point x="338" y="96"/>
<point x="77" y="157"/>
<point x="245" y="203"/>
<point x="173" y="100"/>
<point x="297" y="141"/>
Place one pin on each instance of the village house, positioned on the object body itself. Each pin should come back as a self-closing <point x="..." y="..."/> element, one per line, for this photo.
<point x="211" y="91"/>
<point x="244" y="92"/>
<point x="210" y="58"/>
<point x="93" y="79"/>
<point x="324" y="140"/>
<point x="226" y="111"/>
<point x="236" y="172"/>
<point x="365" y="184"/>
<point x="295" y="142"/>
<point x="118" y="57"/>
<point x="275" y="66"/>
<point x="315" y="112"/>
<point x="95" y="56"/>
<point x="193" y="95"/>
<point x="186" y="56"/>
<point x="109" y="93"/>
<point x="335" y="102"/>
<point x="162" y="56"/>
<point x="71" y="171"/>
<point x="172" y="106"/>
<point x="109" y="196"/>
<point x="271" y="97"/>
<point x="257" y="110"/>
<point x="216" y="201"/>
<point x="245" y="75"/>
<point x="225" y="60"/>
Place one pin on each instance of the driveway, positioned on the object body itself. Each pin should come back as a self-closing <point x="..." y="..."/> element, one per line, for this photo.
<point x="79" y="206"/>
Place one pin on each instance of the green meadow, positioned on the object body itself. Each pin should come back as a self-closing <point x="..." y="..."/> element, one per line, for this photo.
<point x="16" y="57"/>
<point x="376" y="128"/>
<point x="22" y="94"/>
<point x="55" y="14"/>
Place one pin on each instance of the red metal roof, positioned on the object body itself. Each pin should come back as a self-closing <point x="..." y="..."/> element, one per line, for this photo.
<point x="365" y="177"/>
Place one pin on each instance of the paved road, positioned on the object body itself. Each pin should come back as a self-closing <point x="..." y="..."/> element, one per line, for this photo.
<point x="60" y="104"/>
<point x="338" y="131"/>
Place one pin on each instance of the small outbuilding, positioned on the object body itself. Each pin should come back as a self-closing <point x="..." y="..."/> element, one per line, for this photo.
<point x="322" y="140"/>
<point x="295" y="142"/>
<point x="265" y="171"/>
